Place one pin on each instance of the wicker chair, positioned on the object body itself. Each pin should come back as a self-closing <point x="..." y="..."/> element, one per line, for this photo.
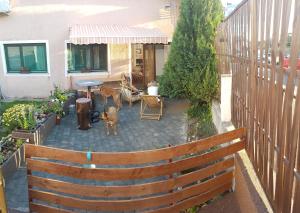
<point x="129" y="94"/>
<point x="151" y="107"/>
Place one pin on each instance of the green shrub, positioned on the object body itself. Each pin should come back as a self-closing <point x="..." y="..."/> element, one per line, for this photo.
<point x="46" y="108"/>
<point x="59" y="94"/>
<point x="54" y="107"/>
<point x="19" y="143"/>
<point x="5" y="105"/>
<point x="2" y="158"/>
<point x="190" y="71"/>
<point x="13" y="116"/>
<point x="27" y="120"/>
<point x="194" y="209"/>
<point x="202" y="112"/>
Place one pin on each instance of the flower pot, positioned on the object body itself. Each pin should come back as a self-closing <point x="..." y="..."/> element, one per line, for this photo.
<point x="153" y="90"/>
<point x="57" y="120"/>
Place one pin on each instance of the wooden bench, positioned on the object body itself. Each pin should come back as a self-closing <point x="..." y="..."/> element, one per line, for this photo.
<point x="163" y="180"/>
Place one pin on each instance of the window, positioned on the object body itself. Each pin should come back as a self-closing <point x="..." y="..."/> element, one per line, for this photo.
<point x="31" y="58"/>
<point x="83" y="58"/>
<point x="4" y="6"/>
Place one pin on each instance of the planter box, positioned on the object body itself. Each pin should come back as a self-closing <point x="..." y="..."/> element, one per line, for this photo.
<point x="13" y="163"/>
<point x="39" y="135"/>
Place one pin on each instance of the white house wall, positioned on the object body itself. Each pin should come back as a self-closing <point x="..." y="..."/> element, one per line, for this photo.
<point x="50" y="20"/>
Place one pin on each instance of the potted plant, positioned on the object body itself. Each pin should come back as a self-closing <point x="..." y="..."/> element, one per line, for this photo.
<point x="64" y="97"/>
<point x="24" y="70"/>
<point x="152" y="88"/>
<point x="58" y="119"/>
<point x="57" y="108"/>
<point x="59" y="94"/>
<point x="27" y="120"/>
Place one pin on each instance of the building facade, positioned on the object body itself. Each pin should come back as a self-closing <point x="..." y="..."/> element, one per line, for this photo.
<point x="58" y="42"/>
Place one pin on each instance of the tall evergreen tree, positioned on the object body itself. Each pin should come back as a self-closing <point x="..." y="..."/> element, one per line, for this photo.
<point x="190" y="71"/>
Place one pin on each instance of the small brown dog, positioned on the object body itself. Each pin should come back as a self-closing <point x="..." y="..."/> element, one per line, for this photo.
<point x="106" y="92"/>
<point x="111" y="119"/>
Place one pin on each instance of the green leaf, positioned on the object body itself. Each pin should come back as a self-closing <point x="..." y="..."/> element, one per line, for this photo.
<point x="190" y="71"/>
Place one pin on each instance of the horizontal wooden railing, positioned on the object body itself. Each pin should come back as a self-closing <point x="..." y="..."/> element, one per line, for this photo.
<point x="163" y="180"/>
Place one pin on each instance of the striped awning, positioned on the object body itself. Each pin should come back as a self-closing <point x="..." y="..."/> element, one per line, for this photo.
<point x="114" y="34"/>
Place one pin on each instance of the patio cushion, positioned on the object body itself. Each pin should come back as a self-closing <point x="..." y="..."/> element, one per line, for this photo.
<point x="126" y="92"/>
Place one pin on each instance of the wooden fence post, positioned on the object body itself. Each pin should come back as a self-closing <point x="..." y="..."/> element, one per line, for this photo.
<point x="3" y="208"/>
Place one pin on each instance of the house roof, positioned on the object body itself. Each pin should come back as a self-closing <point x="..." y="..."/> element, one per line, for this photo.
<point x="115" y="34"/>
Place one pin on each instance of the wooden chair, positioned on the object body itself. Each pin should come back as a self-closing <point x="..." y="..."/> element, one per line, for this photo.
<point x="150" y="103"/>
<point x="129" y="92"/>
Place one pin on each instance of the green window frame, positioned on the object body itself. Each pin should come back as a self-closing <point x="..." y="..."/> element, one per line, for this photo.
<point x="29" y="57"/>
<point x="87" y="58"/>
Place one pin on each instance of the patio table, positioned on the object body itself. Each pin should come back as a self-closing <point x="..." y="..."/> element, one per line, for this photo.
<point x="89" y="84"/>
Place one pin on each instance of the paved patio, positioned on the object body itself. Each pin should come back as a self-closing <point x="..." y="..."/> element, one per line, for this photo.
<point x="133" y="134"/>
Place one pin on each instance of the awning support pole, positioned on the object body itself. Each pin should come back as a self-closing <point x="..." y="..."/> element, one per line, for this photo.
<point x="130" y="62"/>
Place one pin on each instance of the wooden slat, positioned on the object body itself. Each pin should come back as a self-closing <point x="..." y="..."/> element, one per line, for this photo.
<point x="252" y="79"/>
<point x="131" y="190"/>
<point x="134" y="204"/>
<point x="296" y="206"/>
<point x="176" y="188"/>
<point x="266" y="91"/>
<point x="39" y="208"/>
<point x="285" y="106"/>
<point x="132" y="173"/>
<point x="273" y="107"/>
<point x="140" y="157"/>
<point x="193" y="201"/>
<point x="292" y="127"/>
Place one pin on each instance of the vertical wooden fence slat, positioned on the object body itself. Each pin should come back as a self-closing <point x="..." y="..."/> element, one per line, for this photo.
<point x="296" y="206"/>
<point x="265" y="77"/>
<point x="273" y="105"/>
<point x="292" y="127"/>
<point x="286" y="7"/>
<point x="266" y="118"/>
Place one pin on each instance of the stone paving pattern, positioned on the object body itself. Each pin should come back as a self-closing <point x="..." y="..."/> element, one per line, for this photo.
<point x="133" y="135"/>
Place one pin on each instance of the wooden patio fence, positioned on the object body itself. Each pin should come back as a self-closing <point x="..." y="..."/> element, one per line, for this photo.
<point x="163" y="180"/>
<point x="3" y="208"/>
<point x="259" y="44"/>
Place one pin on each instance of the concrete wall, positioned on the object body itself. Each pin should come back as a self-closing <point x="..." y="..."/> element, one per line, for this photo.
<point x="221" y="110"/>
<point x="49" y="21"/>
<point x="226" y="81"/>
<point x="248" y="190"/>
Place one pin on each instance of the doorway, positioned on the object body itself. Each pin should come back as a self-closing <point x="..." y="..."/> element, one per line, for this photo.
<point x="143" y="64"/>
<point x="149" y="63"/>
